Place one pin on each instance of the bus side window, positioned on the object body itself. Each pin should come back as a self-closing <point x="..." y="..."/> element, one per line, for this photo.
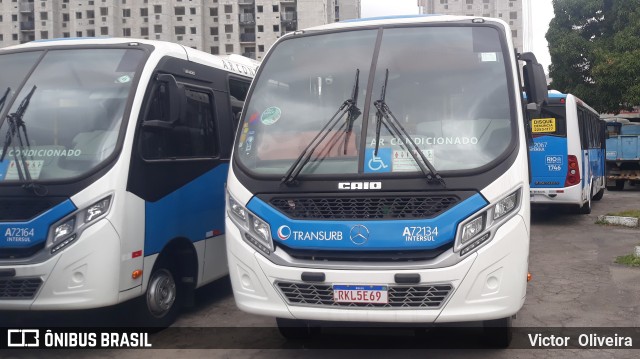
<point x="194" y="135"/>
<point x="238" y="90"/>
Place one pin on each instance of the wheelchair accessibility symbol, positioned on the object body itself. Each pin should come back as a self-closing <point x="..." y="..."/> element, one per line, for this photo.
<point x="379" y="163"/>
<point x="376" y="163"/>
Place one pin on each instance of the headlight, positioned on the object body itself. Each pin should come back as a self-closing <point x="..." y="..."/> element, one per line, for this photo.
<point x="474" y="232"/>
<point x="66" y="231"/>
<point x="256" y="232"/>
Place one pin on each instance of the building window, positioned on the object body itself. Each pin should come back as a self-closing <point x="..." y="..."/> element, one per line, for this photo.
<point x="180" y="30"/>
<point x="276" y="8"/>
<point x="91" y="33"/>
<point x="259" y="8"/>
<point x="104" y="30"/>
<point x="104" y="11"/>
<point x="91" y="14"/>
<point x="44" y="34"/>
<point x="192" y="11"/>
<point x="510" y="4"/>
<point x="513" y="15"/>
<point x="43" y="16"/>
<point x="126" y="12"/>
<point x="157" y="29"/>
<point x="486" y="1"/>
<point x="276" y="28"/>
<point x="228" y="9"/>
<point x="228" y="48"/>
<point x="213" y="11"/>
<point x="215" y="50"/>
<point x="144" y="31"/>
<point x="260" y="28"/>
<point x="144" y="12"/>
<point x="443" y="2"/>
<point x="261" y="48"/>
<point x="64" y="34"/>
<point x="78" y="33"/>
<point x="213" y="31"/>
<point x="228" y="29"/>
<point x="179" y="10"/>
<point x="193" y="30"/>
<point x="514" y="33"/>
<point x="469" y="2"/>
<point x="157" y="9"/>
<point x="65" y="17"/>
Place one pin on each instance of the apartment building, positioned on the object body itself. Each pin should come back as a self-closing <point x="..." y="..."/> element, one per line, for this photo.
<point x="515" y="12"/>
<point x="247" y="27"/>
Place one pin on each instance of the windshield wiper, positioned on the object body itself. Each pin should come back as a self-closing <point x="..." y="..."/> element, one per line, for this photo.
<point x="4" y="98"/>
<point x="18" y="129"/>
<point x="348" y="106"/>
<point x="384" y="112"/>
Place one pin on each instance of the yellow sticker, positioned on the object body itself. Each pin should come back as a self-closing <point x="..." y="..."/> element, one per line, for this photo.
<point x="539" y="125"/>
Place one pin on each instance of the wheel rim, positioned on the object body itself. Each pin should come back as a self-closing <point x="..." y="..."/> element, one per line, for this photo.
<point x="161" y="293"/>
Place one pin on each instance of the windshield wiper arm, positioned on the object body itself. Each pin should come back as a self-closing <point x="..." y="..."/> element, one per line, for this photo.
<point x="354" y="111"/>
<point x="18" y="129"/>
<point x="384" y="112"/>
<point x="295" y="169"/>
<point x="4" y="98"/>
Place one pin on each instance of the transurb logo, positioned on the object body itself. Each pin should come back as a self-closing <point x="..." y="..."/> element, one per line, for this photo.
<point x="284" y="232"/>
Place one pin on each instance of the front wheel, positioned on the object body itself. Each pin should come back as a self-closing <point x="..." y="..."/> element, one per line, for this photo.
<point x="159" y="307"/>
<point x="497" y="333"/>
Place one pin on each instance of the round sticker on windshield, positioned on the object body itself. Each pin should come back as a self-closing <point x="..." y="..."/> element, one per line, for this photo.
<point x="270" y="115"/>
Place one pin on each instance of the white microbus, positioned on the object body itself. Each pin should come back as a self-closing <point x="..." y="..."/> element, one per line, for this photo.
<point x="380" y="175"/>
<point x="567" y="154"/>
<point x="112" y="170"/>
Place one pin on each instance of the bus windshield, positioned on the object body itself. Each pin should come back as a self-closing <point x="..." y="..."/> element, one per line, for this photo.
<point x="447" y="87"/>
<point x="69" y="109"/>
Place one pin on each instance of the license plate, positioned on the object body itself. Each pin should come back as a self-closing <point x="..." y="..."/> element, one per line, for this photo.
<point x="360" y="294"/>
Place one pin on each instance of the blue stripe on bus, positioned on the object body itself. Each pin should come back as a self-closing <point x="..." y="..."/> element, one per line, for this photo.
<point x="35" y="231"/>
<point x="190" y="212"/>
<point x="375" y="234"/>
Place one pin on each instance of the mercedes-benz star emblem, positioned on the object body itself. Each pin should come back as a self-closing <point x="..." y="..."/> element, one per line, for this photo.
<point x="359" y="234"/>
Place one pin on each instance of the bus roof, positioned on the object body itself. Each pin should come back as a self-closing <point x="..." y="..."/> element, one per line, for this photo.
<point x="399" y="19"/>
<point x="231" y="63"/>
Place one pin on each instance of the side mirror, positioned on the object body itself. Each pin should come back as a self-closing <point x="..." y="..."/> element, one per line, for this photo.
<point x="535" y="82"/>
<point x="176" y="96"/>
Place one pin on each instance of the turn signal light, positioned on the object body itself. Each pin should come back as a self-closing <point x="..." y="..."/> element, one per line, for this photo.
<point x="529" y="277"/>
<point x="136" y="274"/>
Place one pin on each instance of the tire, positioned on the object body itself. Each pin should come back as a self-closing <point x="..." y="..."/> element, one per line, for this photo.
<point x="586" y="208"/>
<point x="294" y="329"/>
<point x="160" y="305"/>
<point x="599" y="195"/>
<point x="497" y="333"/>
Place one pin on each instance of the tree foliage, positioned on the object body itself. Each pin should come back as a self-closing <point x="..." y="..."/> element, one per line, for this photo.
<point x="595" y="52"/>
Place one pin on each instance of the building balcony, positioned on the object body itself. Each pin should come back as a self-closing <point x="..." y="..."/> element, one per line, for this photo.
<point x="26" y="7"/>
<point x="246" y="2"/>
<point x="246" y="19"/>
<point x="251" y="55"/>
<point x="288" y="16"/>
<point x="247" y="37"/>
<point x="27" y="26"/>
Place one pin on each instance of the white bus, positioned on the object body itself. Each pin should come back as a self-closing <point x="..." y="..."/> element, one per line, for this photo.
<point x="114" y="158"/>
<point x="567" y="154"/>
<point x="380" y="175"/>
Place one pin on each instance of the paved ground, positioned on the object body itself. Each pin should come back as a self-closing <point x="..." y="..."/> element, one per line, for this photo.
<point x="575" y="283"/>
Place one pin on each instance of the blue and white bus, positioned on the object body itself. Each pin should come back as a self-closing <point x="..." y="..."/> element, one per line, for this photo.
<point x="114" y="158"/>
<point x="380" y="175"/>
<point x="567" y="154"/>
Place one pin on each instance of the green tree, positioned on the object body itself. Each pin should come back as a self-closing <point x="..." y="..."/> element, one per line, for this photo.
<point x="595" y="52"/>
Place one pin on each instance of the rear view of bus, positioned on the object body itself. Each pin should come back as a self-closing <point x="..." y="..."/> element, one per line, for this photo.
<point x="380" y="175"/>
<point x="567" y="154"/>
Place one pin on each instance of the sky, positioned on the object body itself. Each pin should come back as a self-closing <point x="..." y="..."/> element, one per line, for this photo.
<point x="542" y="13"/>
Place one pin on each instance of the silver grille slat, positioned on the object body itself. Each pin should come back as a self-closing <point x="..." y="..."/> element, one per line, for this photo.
<point x="426" y="296"/>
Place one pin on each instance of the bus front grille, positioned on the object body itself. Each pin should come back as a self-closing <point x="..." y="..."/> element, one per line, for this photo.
<point x="400" y="207"/>
<point x="19" y="288"/>
<point x="25" y="208"/>
<point x="427" y="296"/>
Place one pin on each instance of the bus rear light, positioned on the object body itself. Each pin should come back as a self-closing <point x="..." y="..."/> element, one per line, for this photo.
<point x="573" y="172"/>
